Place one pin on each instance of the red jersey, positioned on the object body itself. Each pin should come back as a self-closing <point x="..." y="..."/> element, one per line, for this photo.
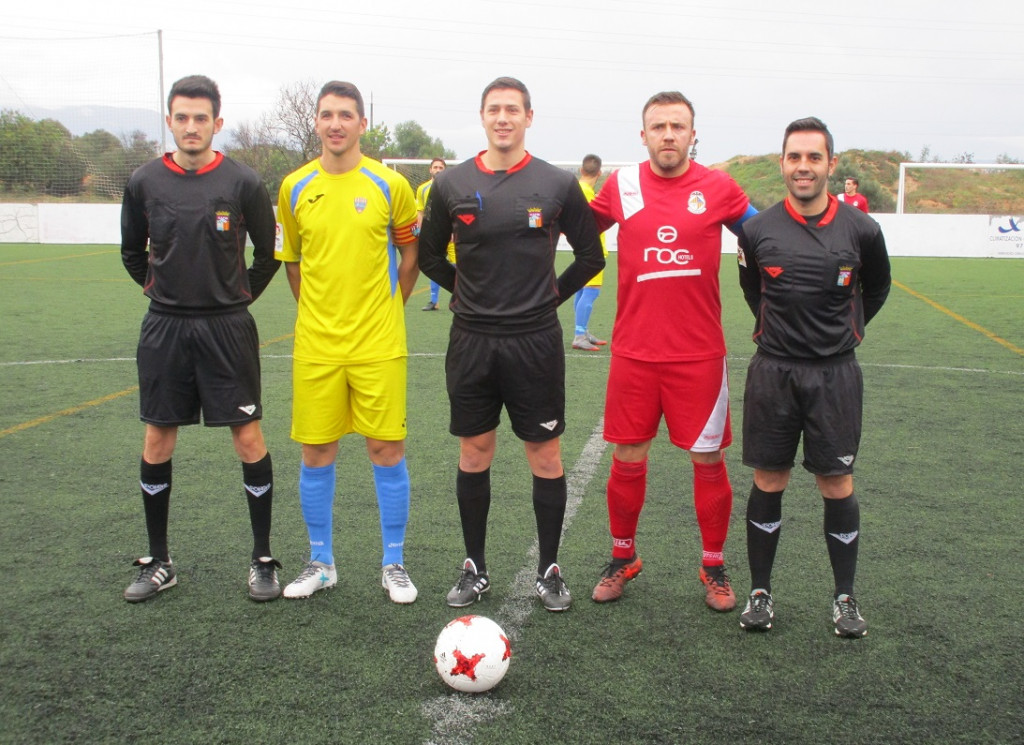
<point x="855" y="200"/>
<point x="669" y="307"/>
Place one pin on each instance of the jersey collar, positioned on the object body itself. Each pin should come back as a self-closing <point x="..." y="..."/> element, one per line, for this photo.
<point x="517" y="167"/>
<point x="217" y="160"/>
<point x="830" y="211"/>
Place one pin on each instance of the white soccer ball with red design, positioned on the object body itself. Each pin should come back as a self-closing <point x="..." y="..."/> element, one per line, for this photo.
<point x="472" y="654"/>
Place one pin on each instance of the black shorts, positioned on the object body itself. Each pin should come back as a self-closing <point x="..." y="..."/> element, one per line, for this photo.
<point x="822" y="400"/>
<point x="525" y="373"/>
<point x="193" y="364"/>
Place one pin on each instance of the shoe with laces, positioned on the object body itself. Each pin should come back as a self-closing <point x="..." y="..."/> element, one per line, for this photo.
<point x="154" y="576"/>
<point x="614" y="577"/>
<point x="471" y="585"/>
<point x="396" y="581"/>
<point x="594" y="340"/>
<point x="580" y="341"/>
<point x="430" y="306"/>
<point x="315" y="576"/>
<point x="263" y="584"/>
<point x="759" y="613"/>
<point x="720" y="596"/>
<point x="846" y="618"/>
<point x="552" y="590"/>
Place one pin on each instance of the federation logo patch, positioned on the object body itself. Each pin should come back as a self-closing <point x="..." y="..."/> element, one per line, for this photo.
<point x="741" y="257"/>
<point x="223" y="222"/>
<point x="697" y="204"/>
<point x="536" y="217"/>
<point x="845" y="275"/>
<point x="360" y="204"/>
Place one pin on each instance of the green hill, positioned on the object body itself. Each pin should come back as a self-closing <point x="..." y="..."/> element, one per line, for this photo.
<point x="942" y="191"/>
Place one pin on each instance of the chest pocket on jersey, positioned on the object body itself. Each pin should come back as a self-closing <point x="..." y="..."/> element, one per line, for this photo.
<point x="534" y="214"/>
<point x="466" y="219"/>
<point x="224" y="221"/>
<point x="840" y="276"/>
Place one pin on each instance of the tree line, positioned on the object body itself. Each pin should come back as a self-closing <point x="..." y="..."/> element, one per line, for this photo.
<point x="43" y="159"/>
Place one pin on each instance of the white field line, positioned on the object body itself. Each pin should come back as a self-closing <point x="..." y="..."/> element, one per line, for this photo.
<point x="453" y="717"/>
<point x="879" y="365"/>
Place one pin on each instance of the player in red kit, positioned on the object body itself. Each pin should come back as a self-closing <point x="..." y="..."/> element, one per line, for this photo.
<point x="670" y="211"/>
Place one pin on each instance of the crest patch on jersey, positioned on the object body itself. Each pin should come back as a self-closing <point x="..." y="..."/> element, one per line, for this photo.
<point x="845" y="275"/>
<point x="697" y="204"/>
<point x="536" y="217"/>
<point x="360" y="204"/>
<point x="223" y="222"/>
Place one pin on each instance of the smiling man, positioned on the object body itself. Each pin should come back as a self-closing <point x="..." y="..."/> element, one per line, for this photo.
<point x="348" y="243"/>
<point x="506" y="210"/>
<point x="668" y="353"/>
<point x="814" y="271"/>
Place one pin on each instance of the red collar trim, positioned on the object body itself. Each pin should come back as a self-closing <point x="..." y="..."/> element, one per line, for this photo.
<point x="517" y="167"/>
<point x="830" y="211"/>
<point x="217" y="160"/>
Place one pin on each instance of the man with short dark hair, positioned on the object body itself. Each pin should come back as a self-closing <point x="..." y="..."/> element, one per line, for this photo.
<point x="184" y="222"/>
<point x="349" y="247"/>
<point x="670" y="211"/>
<point x="851" y="197"/>
<point x="814" y="272"/>
<point x="422" y="194"/>
<point x="506" y="210"/>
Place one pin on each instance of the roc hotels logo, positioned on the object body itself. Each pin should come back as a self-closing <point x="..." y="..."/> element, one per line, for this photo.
<point x="223" y="222"/>
<point x="536" y="217"/>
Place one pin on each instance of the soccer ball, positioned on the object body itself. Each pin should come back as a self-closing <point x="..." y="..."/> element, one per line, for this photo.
<point x="472" y="654"/>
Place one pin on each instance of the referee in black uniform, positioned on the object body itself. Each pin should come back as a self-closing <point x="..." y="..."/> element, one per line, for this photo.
<point x="184" y="222"/>
<point x="814" y="271"/>
<point x="506" y="210"/>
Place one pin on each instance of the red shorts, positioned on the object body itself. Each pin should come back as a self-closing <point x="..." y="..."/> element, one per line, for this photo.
<point x="692" y="396"/>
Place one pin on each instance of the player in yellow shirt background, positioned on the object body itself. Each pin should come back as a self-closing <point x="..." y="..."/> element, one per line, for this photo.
<point x="422" y="193"/>
<point x="583" y="301"/>
<point x="347" y="239"/>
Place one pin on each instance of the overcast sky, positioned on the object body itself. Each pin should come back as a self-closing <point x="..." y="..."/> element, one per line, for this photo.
<point x="895" y="75"/>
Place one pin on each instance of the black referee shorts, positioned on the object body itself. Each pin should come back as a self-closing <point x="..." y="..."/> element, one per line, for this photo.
<point x="822" y="400"/>
<point x="525" y="373"/>
<point x="199" y="363"/>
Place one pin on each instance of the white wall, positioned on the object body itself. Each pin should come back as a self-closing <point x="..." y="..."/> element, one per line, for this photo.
<point x="995" y="236"/>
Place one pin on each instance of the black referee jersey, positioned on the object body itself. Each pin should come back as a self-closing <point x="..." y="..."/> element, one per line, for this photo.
<point x="812" y="286"/>
<point x="506" y="226"/>
<point x="183" y="235"/>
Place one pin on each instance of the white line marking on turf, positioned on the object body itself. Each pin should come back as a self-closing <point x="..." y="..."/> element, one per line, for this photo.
<point x="455" y="714"/>
<point x="889" y="366"/>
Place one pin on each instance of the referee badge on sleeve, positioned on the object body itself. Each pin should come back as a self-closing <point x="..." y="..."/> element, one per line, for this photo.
<point x="536" y="217"/>
<point x="223" y="222"/>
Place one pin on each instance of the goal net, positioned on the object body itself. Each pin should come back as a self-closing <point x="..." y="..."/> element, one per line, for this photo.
<point x="77" y="115"/>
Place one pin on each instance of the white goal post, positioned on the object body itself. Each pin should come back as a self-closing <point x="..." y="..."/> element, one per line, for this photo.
<point x="902" y="193"/>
